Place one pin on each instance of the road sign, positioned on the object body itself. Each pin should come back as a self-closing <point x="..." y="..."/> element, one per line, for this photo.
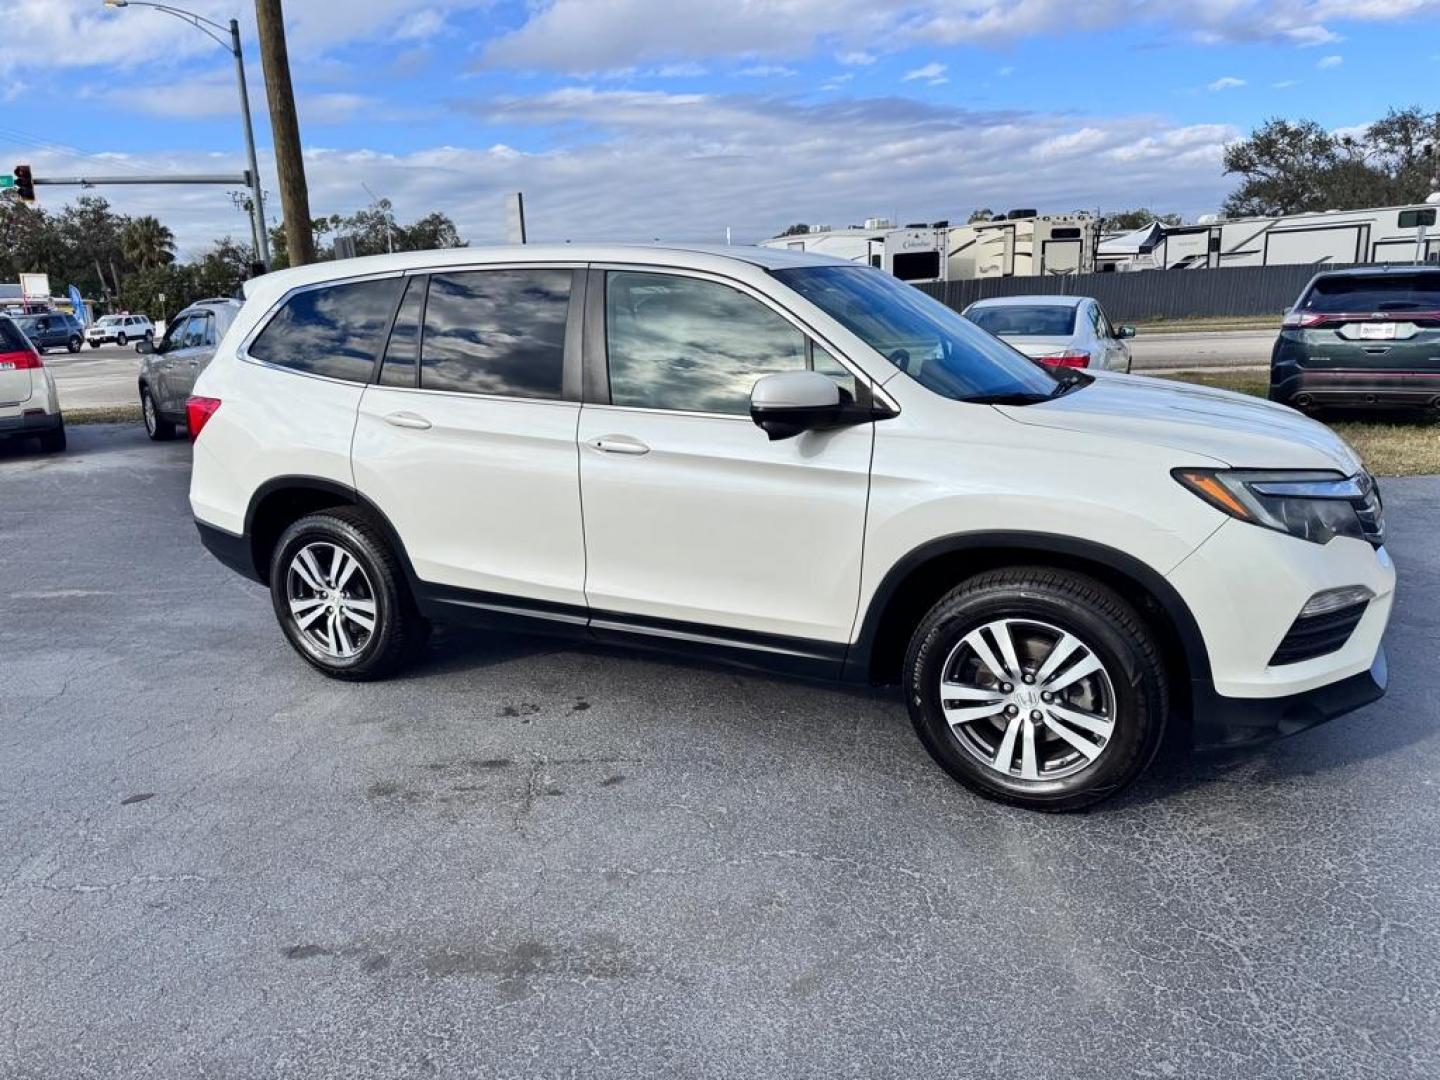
<point x="7" y="180"/>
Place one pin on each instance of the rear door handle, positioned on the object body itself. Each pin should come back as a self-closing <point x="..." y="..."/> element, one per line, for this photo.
<point x="407" y="420"/>
<point x="619" y="444"/>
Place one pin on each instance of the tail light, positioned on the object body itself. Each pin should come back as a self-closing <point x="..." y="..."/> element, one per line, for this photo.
<point x="1299" y="320"/>
<point x="198" y="411"/>
<point x="20" y="360"/>
<point x="1066" y="359"/>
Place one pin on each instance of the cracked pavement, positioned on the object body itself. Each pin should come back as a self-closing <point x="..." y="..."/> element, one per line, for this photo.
<point x="534" y="859"/>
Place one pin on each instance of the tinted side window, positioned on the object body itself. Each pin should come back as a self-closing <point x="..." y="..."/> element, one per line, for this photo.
<point x="175" y="335"/>
<point x="195" y="331"/>
<point x="404" y="347"/>
<point x="335" y="330"/>
<point x="496" y="332"/>
<point x="690" y="345"/>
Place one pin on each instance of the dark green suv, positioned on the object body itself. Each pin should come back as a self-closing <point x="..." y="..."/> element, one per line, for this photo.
<point x="1368" y="337"/>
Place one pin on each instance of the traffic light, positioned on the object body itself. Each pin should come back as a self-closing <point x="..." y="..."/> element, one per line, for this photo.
<point x="24" y="183"/>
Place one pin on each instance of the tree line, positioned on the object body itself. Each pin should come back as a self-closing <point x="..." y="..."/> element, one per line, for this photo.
<point x="128" y="263"/>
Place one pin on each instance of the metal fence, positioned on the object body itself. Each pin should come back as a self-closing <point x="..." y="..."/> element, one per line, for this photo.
<point x="1152" y="294"/>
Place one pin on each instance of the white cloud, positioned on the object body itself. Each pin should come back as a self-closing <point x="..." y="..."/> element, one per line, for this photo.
<point x="1329" y="62"/>
<point x="768" y="71"/>
<point x="1227" y="82"/>
<point x="856" y="58"/>
<point x="33" y="27"/>
<point x="583" y="35"/>
<point x="1285" y="84"/>
<point x="932" y="73"/>
<point x="1005" y="72"/>
<point x="685" y="166"/>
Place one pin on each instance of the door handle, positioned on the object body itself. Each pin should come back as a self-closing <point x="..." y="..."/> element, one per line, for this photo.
<point x="407" y="420"/>
<point x="619" y="444"/>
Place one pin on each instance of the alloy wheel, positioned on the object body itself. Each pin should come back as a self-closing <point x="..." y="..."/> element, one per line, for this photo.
<point x="1028" y="700"/>
<point x="331" y="600"/>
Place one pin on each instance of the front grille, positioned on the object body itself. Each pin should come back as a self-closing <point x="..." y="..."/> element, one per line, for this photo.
<point x="1370" y="509"/>
<point x="1318" y="635"/>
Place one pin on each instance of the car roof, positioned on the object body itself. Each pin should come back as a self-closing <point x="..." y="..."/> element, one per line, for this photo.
<point x="713" y="257"/>
<point x="1379" y="271"/>
<point x="1035" y="298"/>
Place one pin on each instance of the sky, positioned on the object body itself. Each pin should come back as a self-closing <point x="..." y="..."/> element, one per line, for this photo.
<point x="678" y="119"/>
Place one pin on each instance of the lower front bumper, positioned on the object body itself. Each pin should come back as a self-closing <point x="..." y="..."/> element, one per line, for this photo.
<point x="1226" y="722"/>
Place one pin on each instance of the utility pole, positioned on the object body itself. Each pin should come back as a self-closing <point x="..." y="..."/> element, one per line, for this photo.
<point x="289" y="162"/>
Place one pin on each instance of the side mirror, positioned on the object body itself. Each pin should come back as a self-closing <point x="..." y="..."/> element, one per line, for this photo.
<point x="792" y="402"/>
<point x="144" y="345"/>
<point x="1125" y="332"/>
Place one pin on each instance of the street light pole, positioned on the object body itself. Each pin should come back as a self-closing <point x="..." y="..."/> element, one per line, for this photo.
<point x="213" y="30"/>
<point x="262" y="238"/>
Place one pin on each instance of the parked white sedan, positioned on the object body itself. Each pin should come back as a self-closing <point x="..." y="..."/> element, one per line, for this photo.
<point x="1062" y="331"/>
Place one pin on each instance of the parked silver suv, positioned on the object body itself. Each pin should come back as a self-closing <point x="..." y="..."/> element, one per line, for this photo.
<point x="169" y="370"/>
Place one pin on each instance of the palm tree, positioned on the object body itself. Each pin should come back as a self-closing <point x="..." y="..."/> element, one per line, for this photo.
<point x="147" y="244"/>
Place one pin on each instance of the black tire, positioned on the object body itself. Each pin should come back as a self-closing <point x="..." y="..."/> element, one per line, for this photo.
<point x="121" y="340"/>
<point x="156" y="426"/>
<point x="75" y="343"/>
<point x="400" y="632"/>
<point x="95" y="344"/>
<point x="53" y="442"/>
<point x="1070" y="602"/>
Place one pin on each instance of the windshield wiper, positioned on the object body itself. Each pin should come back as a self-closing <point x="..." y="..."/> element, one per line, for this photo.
<point x="1019" y="398"/>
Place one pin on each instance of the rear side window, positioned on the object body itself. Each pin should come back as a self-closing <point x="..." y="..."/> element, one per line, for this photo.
<point x="496" y="332"/>
<point x="1374" y="293"/>
<point x="403" y="351"/>
<point x="335" y="330"/>
<point x="11" y="339"/>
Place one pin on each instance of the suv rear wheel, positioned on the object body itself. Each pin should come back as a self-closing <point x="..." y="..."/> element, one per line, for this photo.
<point x="1037" y="687"/>
<point x="342" y="599"/>
<point x="121" y="339"/>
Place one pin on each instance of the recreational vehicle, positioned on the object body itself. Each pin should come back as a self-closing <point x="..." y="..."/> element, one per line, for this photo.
<point x="1392" y="234"/>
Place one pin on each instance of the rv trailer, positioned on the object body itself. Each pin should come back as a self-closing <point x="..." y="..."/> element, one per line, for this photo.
<point x="1024" y="244"/>
<point x="1392" y="234"/>
<point x="1019" y="244"/>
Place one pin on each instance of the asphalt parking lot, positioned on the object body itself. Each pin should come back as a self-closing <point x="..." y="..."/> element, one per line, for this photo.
<point x="532" y="859"/>
<point x="94" y="378"/>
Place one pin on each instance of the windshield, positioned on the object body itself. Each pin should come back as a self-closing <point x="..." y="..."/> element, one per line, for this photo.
<point x="936" y="346"/>
<point x="1025" y="320"/>
<point x="1393" y="292"/>
<point x="108" y="320"/>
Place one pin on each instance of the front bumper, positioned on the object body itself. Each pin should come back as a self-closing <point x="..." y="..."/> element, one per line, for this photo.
<point x="1222" y="723"/>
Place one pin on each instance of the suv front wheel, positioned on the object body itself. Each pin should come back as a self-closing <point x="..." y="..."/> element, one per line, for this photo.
<point x="1037" y="687"/>
<point x="341" y="597"/>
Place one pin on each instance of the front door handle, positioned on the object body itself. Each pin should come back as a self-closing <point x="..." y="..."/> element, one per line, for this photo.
<point x="619" y="444"/>
<point x="407" y="420"/>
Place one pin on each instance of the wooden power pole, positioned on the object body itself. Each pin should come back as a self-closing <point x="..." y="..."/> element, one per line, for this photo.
<point x="289" y="163"/>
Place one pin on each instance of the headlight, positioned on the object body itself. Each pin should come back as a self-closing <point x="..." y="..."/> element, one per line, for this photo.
<point x="1314" y="506"/>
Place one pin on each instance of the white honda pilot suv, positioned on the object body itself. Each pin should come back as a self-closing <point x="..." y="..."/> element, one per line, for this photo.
<point x="797" y="463"/>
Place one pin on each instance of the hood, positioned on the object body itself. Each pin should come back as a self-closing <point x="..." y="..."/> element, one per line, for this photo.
<point x="1235" y="429"/>
<point x="1038" y="346"/>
